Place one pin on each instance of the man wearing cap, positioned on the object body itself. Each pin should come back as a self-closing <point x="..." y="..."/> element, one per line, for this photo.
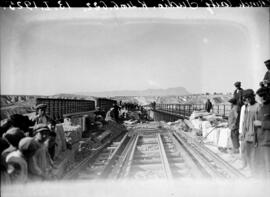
<point x="4" y="175"/>
<point x="41" y="116"/>
<point x="26" y="151"/>
<point x="42" y="157"/>
<point x="238" y="95"/>
<point x="267" y="74"/>
<point x="13" y="137"/>
<point x="262" y="134"/>
<point x="248" y="133"/>
<point x="234" y="126"/>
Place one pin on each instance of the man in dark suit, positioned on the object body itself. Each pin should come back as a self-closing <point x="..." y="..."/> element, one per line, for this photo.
<point x="238" y="95"/>
<point x="266" y="79"/>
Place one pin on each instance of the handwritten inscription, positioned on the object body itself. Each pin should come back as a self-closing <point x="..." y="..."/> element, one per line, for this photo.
<point x="107" y="4"/>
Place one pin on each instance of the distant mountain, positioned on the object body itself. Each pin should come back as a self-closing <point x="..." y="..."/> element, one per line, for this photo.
<point x="148" y="92"/>
<point x="72" y="96"/>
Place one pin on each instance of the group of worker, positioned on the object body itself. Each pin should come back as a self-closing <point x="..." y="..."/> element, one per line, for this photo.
<point x="118" y="113"/>
<point x="28" y="147"/>
<point x="249" y="122"/>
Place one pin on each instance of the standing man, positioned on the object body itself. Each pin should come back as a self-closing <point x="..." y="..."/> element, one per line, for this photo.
<point x="41" y="163"/>
<point x="242" y="145"/>
<point x="154" y="105"/>
<point x="262" y="134"/>
<point x="248" y="134"/>
<point x="266" y="79"/>
<point x="208" y="105"/>
<point x="116" y="110"/>
<point x="267" y="74"/>
<point x="41" y="116"/>
<point x="234" y="126"/>
<point x="238" y="95"/>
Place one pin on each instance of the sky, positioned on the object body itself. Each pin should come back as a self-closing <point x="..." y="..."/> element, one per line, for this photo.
<point x="70" y="51"/>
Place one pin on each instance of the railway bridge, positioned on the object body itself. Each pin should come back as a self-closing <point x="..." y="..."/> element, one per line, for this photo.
<point x="149" y="150"/>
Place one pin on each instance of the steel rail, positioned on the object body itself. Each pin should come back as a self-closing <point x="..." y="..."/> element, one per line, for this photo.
<point x="112" y="159"/>
<point x="197" y="168"/>
<point x="200" y="161"/>
<point x="212" y="159"/>
<point x="131" y="155"/>
<point x="121" y="164"/>
<point x="164" y="159"/>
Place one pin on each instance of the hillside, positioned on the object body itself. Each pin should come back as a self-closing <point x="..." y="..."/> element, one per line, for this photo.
<point x="148" y="92"/>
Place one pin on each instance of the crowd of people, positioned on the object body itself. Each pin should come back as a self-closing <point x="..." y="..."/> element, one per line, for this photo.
<point x="249" y="122"/>
<point x="28" y="147"/>
<point x="28" y="144"/>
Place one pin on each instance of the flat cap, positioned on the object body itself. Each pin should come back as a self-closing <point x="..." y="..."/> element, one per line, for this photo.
<point x="41" y="106"/>
<point x="41" y="128"/>
<point x="13" y="136"/>
<point x="238" y="83"/>
<point x="248" y="93"/>
<point x="267" y="62"/>
<point x="263" y="92"/>
<point x="28" y="146"/>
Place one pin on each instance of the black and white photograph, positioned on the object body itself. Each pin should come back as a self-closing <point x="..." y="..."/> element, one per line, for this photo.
<point x="111" y="101"/>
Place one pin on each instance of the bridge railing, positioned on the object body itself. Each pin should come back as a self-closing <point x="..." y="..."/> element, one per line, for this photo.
<point x="56" y="108"/>
<point x="187" y="109"/>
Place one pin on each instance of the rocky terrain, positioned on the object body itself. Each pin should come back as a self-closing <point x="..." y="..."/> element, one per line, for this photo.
<point x="16" y="104"/>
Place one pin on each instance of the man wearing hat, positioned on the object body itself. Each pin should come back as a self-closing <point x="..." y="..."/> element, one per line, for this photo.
<point x="248" y="133"/>
<point x="42" y="157"/>
<point x="27" y="150"/>
<point x="17" y="161"/>
<point x="41" y="116"/>
<point x="262" y="134"/>
<point x="13" y="137"/>
<point x="238" y="95"/>
<point x="267" y="74"/>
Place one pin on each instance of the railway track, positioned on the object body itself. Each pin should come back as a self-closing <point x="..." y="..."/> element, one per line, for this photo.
<point x="156" y="153"/>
